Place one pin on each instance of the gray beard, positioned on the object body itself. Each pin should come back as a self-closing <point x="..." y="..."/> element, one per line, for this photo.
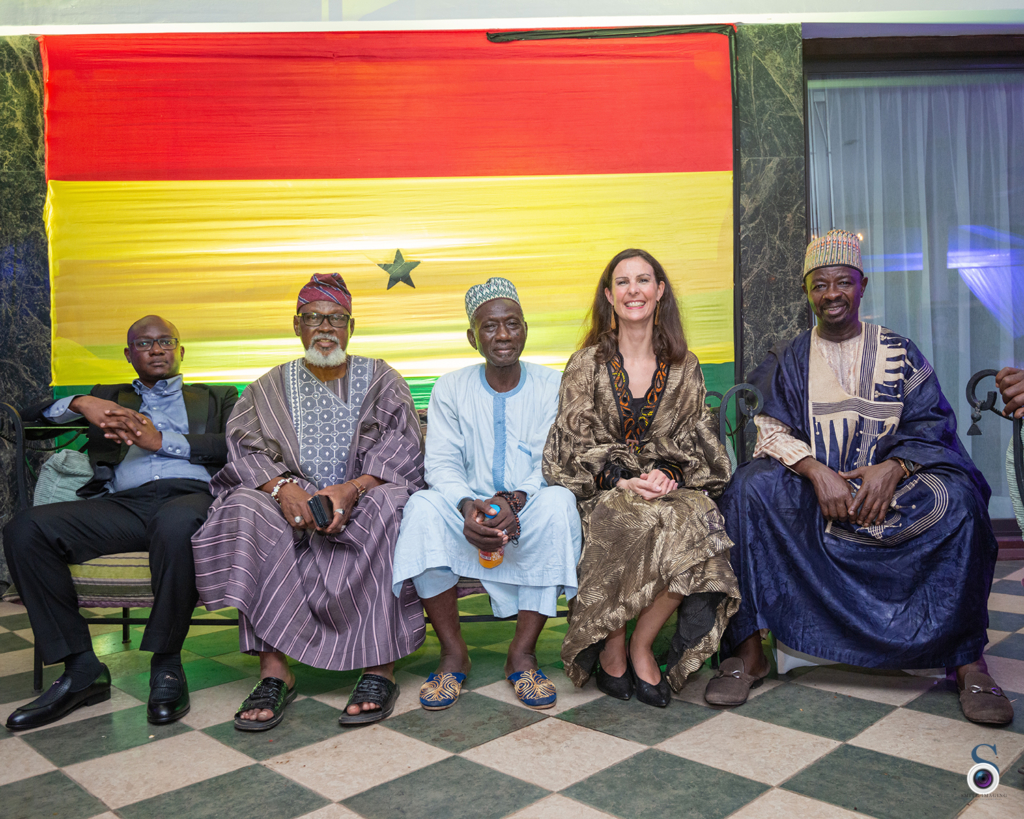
<point x="318" y="359"/>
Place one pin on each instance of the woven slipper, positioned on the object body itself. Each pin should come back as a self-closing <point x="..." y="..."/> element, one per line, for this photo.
<point x="441" y="691"/>
<point x="269" y="693"/>
<point x="732" y="684"/>
<point x="533" y="689"/>
<point x="983" y="701"/>
<point x="371" y="688"/>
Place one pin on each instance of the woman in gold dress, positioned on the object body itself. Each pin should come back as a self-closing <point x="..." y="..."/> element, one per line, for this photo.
<point x="635" y="443"/>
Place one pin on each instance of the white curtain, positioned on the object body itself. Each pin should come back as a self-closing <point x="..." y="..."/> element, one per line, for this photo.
<point x="929" y="169"/>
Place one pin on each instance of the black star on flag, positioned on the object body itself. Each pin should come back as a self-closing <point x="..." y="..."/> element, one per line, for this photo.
<point x="399" y="270"/>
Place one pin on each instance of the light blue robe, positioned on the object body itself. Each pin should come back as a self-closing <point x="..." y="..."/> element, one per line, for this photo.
<point x="480" y="442"/>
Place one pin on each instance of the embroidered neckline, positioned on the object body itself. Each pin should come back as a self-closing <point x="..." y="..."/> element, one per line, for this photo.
<point x="635" y="429"/>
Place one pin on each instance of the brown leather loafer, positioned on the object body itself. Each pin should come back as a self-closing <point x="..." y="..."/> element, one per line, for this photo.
<point x="983" y="701"/>
<point x="731" y="684"/>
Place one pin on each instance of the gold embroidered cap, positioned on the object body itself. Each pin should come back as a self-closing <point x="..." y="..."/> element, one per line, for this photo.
<point x="835" y="247"/>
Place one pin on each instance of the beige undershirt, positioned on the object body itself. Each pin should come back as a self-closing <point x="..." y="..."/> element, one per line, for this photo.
<point x="774" y="438"/>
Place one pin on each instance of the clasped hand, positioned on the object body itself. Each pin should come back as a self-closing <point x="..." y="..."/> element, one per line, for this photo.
<point x="294" y="501"/>
<point x="487" y="534"/>
<point x="836" y="497"/>
<point x="118" y="423"/>
<point x="649" y="485"/>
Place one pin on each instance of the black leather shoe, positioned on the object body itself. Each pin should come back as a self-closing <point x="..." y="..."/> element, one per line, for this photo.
<point x="620" y="687"/>
<point x="659" y="695"/>
<point x="168" y="697"/>
<point x="58" y="702"/>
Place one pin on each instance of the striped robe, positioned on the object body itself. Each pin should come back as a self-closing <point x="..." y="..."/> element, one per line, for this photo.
<point x="323" y="600"/>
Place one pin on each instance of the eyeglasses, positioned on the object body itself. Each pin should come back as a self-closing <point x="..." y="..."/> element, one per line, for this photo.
<point x="143" y="344"/>
<point x="316" y="319"/>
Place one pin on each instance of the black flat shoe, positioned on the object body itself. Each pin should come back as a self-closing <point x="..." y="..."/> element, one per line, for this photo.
<point x="58" y="702"/>
<point x="168" y="697"/>
<point x="659" y="695"/>
<point x="620" y="687"/>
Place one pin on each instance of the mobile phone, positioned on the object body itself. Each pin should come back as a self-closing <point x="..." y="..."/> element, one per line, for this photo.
<point x="322" y="509"/>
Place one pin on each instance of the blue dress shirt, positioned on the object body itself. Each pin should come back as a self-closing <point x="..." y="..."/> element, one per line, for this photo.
<point x="164" y="405"/>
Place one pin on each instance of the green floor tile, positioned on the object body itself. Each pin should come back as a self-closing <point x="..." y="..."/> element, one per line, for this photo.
<point x="248" y="663"/>
<point x="305" y="721"/>
<point x="16" y="687"/>
<point x="824" y="713"/>
<point x="943" y="700"/>
<point x="475" y="604"/>
<point x="473" y="720"/>
<point x="201" y="673"/>
<point x="1003" y="567"/>
<point x="313" y="681"/>
<point x="47" y="796"/>
<point x="248" y="792"/>
<point x="70" y="742"/>
<point x="453" y="788"/>
<point x="214" y="643"/>
<point x="657" y="785"/>
<point x="1012" y="775"/>
<point x="485" y="634"/>
<point x="635" y="721"/>
<point x="12" y="642"/>
<point x="128" y="663"/>
<point x="15" y="622"/>
<point x="1011" y="647"/>
<point x="883" y="786"/>
<point x="1005" y="620"/>
<point x="1008" y="587"/>
<point x="112" y="643"/>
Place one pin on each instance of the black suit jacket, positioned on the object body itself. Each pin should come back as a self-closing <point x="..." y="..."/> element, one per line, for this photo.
<point x="208" y="409"/>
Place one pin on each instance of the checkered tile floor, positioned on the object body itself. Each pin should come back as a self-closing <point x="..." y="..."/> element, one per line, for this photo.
<point x="823" y="742"/>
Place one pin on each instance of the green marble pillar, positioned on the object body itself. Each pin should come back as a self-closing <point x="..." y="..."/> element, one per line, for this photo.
<point x="773" y="214"/>
<point x="24" y="274"/>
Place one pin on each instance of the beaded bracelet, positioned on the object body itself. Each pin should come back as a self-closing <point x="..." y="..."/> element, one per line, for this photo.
<point x="516" y="505"/>
<point x="277" y="488"/>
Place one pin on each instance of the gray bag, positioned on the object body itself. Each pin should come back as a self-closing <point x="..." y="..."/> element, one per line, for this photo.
<point x="61" y="477"/>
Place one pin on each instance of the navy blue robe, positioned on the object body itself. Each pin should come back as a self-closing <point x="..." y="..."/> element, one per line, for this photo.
<point x="911" y="593"/>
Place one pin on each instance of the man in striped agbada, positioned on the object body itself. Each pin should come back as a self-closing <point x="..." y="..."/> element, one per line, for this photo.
<point x="340" y="431"/>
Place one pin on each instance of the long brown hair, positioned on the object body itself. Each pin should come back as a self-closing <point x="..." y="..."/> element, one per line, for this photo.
<point x="669" y="340"/>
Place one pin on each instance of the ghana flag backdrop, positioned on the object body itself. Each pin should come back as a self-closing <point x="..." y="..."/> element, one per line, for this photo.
<point x="207" y="177"/>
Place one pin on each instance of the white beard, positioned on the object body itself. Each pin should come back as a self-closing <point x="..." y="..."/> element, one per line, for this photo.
<point x="335" y="358"/>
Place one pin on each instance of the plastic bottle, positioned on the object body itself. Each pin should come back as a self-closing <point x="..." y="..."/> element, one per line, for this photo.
<point x="491" y="559"/>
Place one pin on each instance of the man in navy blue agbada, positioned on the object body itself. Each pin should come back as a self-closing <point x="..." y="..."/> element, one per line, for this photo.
<point x="861" y="526"/>
<point x="153" y="446"/>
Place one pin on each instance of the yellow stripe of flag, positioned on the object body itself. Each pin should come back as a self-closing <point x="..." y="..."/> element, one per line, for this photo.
<point x="224" y="261"/>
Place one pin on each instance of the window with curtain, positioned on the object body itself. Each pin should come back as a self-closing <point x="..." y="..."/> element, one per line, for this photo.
<point x="929" y="169"/>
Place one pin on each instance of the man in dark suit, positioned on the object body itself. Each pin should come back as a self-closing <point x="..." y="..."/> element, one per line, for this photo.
<point x="153" y="446"/>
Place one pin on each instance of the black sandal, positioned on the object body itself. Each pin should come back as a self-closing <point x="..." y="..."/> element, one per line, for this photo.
<point x="376" y="689"/>
<point x="271" y="694"/>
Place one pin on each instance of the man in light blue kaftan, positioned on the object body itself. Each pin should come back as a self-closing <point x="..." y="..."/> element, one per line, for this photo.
<point x="485" y="441"/>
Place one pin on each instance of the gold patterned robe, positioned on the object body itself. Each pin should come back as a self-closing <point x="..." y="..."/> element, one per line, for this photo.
<point x="633" y="549"/>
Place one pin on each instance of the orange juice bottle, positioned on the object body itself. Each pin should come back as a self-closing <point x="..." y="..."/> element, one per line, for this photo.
<point x="491" y="559"/>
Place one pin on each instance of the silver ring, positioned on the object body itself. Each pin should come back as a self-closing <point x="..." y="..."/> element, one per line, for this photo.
<point x="297" y="518"/>
<point x="339" y="511"/>
<point x="504" y="531"/>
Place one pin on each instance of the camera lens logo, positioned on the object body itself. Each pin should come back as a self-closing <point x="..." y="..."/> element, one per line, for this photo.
<point x="983" y="778"/>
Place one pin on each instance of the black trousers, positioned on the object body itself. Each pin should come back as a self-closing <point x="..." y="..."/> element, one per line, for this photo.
<point x="158" y="517"/>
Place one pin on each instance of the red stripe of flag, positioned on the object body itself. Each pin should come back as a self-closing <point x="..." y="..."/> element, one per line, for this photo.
<point x="382" y="104"/>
